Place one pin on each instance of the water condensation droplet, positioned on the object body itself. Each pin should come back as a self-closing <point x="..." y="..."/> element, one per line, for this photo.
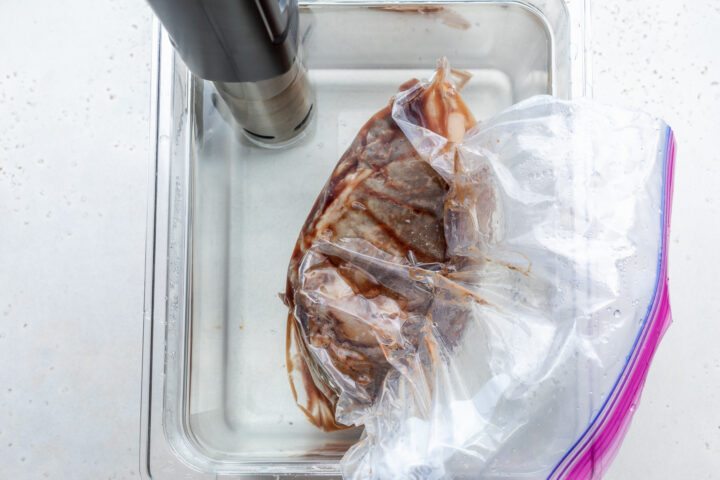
<point x="616" y="314"/>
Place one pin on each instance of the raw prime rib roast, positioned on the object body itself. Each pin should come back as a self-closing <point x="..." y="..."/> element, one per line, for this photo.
<point x="351" y="289"/>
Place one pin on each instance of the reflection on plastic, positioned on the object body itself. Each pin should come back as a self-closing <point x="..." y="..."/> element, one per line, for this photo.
<point x="495" y="349"/>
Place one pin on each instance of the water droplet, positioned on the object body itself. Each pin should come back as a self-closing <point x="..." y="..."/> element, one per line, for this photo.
<point x="616" y="314"/>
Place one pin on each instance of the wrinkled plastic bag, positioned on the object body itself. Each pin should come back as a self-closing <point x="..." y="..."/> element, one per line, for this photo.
<point x="555" y="223"/>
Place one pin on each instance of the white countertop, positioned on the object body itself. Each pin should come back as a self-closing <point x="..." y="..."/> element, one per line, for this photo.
<point x="74" y="153"/>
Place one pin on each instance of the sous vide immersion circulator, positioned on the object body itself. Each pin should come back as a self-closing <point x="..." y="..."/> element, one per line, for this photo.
<point x="249" y="50"/>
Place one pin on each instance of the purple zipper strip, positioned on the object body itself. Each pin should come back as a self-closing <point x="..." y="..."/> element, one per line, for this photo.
<point x="590" y="458"/>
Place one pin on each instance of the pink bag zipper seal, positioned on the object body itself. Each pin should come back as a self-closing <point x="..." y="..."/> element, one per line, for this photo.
<point x="593" y="453"/>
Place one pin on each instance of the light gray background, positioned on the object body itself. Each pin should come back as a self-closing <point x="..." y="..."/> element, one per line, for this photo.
<point x="74" y="152"/>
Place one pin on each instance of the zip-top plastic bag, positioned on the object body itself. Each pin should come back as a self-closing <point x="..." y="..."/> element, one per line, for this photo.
<point x="522" y="353"/>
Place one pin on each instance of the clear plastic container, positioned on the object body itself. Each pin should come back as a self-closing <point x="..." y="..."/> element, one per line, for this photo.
<point x="224" y="216"/>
